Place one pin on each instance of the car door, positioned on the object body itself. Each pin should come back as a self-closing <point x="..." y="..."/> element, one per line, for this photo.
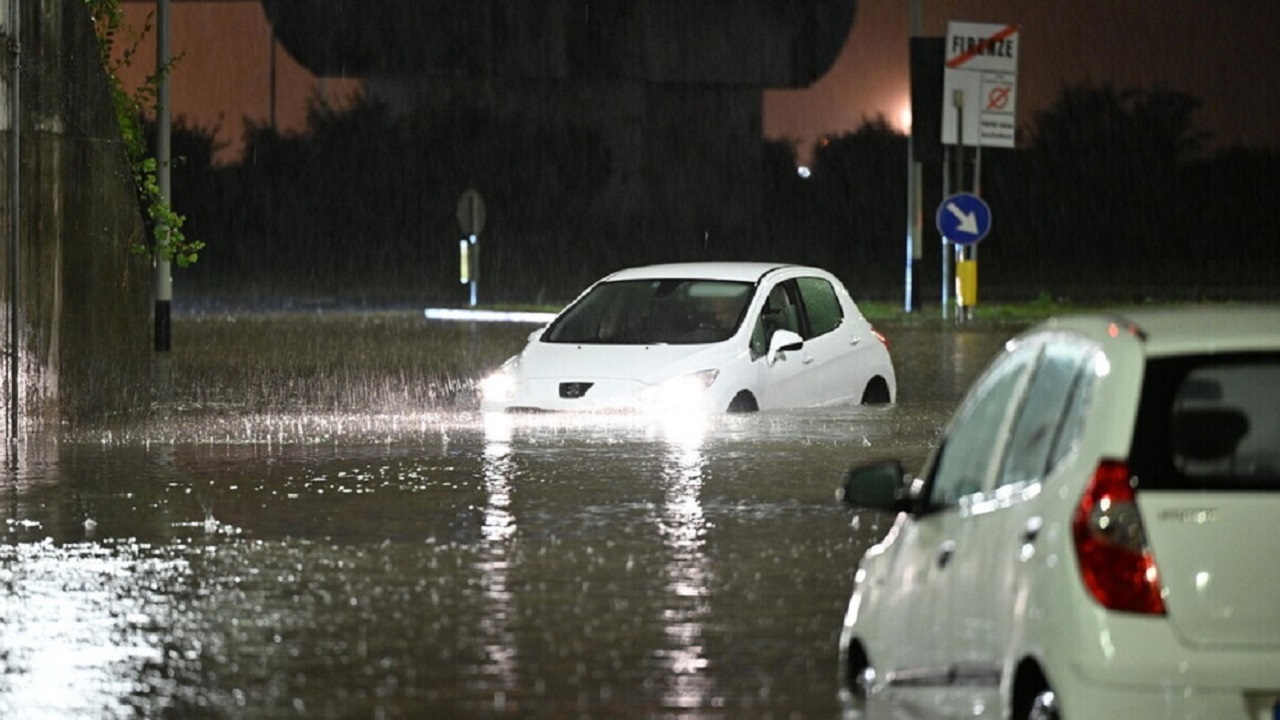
<point x="832" y="343"/>
<point x="992" y="562"/>
<point x="782" y="377"/>
<point x="927" y="549"/>
<point x="959" y="484"/>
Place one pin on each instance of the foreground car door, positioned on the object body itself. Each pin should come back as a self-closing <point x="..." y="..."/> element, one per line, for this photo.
<point x="997" y="551"/>
<point x="933" y="617"/>
<point x="962" y="476"/>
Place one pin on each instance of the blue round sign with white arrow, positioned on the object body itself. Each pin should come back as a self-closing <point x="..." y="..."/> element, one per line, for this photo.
<point x="964" y="218"/>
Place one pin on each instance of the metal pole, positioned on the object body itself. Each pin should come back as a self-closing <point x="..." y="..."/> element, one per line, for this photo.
<point x="272" y="72"/>
<point x="913" y="178"/>
<point x="972" y="252"/>
<point x="163" y="278"/>
<point x="977" y="169"/>
<point x="956" y="157"/>
<point x="474" y="252"/>
<point x="15" y="225"/>
<point x="958" y="98"/>
<point x="946" y="248"/>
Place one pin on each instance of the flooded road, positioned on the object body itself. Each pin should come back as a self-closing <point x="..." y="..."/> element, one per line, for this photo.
<point x="242" y="558"/>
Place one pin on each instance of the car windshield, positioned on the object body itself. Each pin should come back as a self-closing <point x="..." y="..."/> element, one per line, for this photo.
<point x="654" y="312"/>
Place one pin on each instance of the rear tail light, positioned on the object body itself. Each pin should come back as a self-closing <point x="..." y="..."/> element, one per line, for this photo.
<point x="1116" y="565"/>
<point x="880" y="336"/>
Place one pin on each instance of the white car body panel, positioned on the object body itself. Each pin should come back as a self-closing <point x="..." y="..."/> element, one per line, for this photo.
<point x="828" y="368"/>
<point x="956" y="637"/>
<point x="619" y="373"/>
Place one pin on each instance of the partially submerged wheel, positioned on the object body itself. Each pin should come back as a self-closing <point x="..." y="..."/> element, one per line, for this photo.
<point x="876" y="392"/>
<point x="857" y="671"/>
<point x="1044" y="706"/>
<point x="743" y="402"/>
<point x="1033" y="697"/>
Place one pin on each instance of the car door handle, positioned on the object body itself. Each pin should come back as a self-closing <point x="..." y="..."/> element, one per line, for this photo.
<point x="945" y="551"/>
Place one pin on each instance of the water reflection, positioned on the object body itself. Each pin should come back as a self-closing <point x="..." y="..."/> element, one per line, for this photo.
<point x="498" y="528"/>
<point x="81" y="627"/>
<point x="683" y="526"/>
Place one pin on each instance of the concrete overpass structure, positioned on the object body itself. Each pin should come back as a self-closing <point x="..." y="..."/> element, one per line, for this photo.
<point x="674" y="89"/>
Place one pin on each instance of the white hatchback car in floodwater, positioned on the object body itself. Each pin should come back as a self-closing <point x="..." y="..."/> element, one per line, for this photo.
<point x="713" y="337"/>
<point x="1092" y="537"/>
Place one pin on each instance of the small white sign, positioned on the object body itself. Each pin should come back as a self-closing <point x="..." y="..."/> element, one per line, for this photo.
<point x="980" y="84"/>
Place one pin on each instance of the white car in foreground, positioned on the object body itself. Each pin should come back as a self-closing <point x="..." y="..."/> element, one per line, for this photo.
<point x="1092" y="537"/>
<point x="712" y="337"/>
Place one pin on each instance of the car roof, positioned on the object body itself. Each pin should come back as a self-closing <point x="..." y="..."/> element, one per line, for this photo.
<point x="739" y="271"/>
<point x="1182" y="329"/>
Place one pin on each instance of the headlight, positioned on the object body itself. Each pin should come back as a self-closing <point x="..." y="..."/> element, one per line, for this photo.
<point x="683" y="390"/>
<point x="499" y="387"/>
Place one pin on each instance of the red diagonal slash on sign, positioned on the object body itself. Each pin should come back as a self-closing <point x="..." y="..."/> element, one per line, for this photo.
<point x="978" y="49"/>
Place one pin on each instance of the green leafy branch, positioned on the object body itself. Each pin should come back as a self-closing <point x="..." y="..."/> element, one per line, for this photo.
<point x="168" y="240"/>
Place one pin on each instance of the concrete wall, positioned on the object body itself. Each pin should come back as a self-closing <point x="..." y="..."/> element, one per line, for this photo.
<point x="84" y="300"/>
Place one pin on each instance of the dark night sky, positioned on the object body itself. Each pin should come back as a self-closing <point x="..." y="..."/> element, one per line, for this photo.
<point x="1227" y="53"/>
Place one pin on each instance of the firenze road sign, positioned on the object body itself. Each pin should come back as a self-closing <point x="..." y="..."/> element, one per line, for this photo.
<point x="980" y="84"/>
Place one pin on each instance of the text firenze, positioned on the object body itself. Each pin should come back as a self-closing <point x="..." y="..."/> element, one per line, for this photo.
<point x="972" y="46"/>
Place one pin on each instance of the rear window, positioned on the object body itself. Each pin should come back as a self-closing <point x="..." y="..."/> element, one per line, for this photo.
<point x="1210" y="423"/>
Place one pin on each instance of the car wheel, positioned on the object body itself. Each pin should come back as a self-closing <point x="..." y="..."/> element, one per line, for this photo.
<point x="876" y="392"/>
<point x="857" y="677"/>
<point x="1044" y="706"/>
<point x="1033" y="697"/>
<point x="743" y="402"/>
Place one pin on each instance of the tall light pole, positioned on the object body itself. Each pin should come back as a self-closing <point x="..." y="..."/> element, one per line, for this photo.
<point x="914" y="172"/>
<point x="15" y="225"/>
<point x="163" y="276"/>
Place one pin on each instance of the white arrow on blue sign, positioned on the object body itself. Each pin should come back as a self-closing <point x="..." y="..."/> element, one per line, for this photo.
<point x="964" y="218"/>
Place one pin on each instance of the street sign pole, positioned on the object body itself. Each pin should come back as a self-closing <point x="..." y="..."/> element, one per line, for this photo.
<point x="954" y="251"/>
<point x="946" y="248"/>
<point x="474" y="249"/>
<point x="980" y="82"/>
<point x="964" y="219"/>
<point x="470" y="215"/>
<point x="914" y="184"/>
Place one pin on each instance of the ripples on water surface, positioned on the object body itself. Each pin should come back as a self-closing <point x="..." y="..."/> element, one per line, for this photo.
<point x="224" y="563"/>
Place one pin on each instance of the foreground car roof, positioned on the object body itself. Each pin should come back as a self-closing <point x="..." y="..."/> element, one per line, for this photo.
<point x="740" y="271"/>
<point x="1183" y="329"/>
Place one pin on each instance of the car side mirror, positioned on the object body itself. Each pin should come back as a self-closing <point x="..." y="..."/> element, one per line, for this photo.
<point x="879" y="485"/>
<point x="781" y="342"/>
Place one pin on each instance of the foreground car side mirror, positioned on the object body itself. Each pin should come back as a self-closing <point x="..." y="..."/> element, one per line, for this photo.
<point x="783" y="341"/>
<point x="880" y="485"/>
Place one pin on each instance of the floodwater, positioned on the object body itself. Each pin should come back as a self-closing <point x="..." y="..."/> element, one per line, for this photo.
<point x="434" y="563"/>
